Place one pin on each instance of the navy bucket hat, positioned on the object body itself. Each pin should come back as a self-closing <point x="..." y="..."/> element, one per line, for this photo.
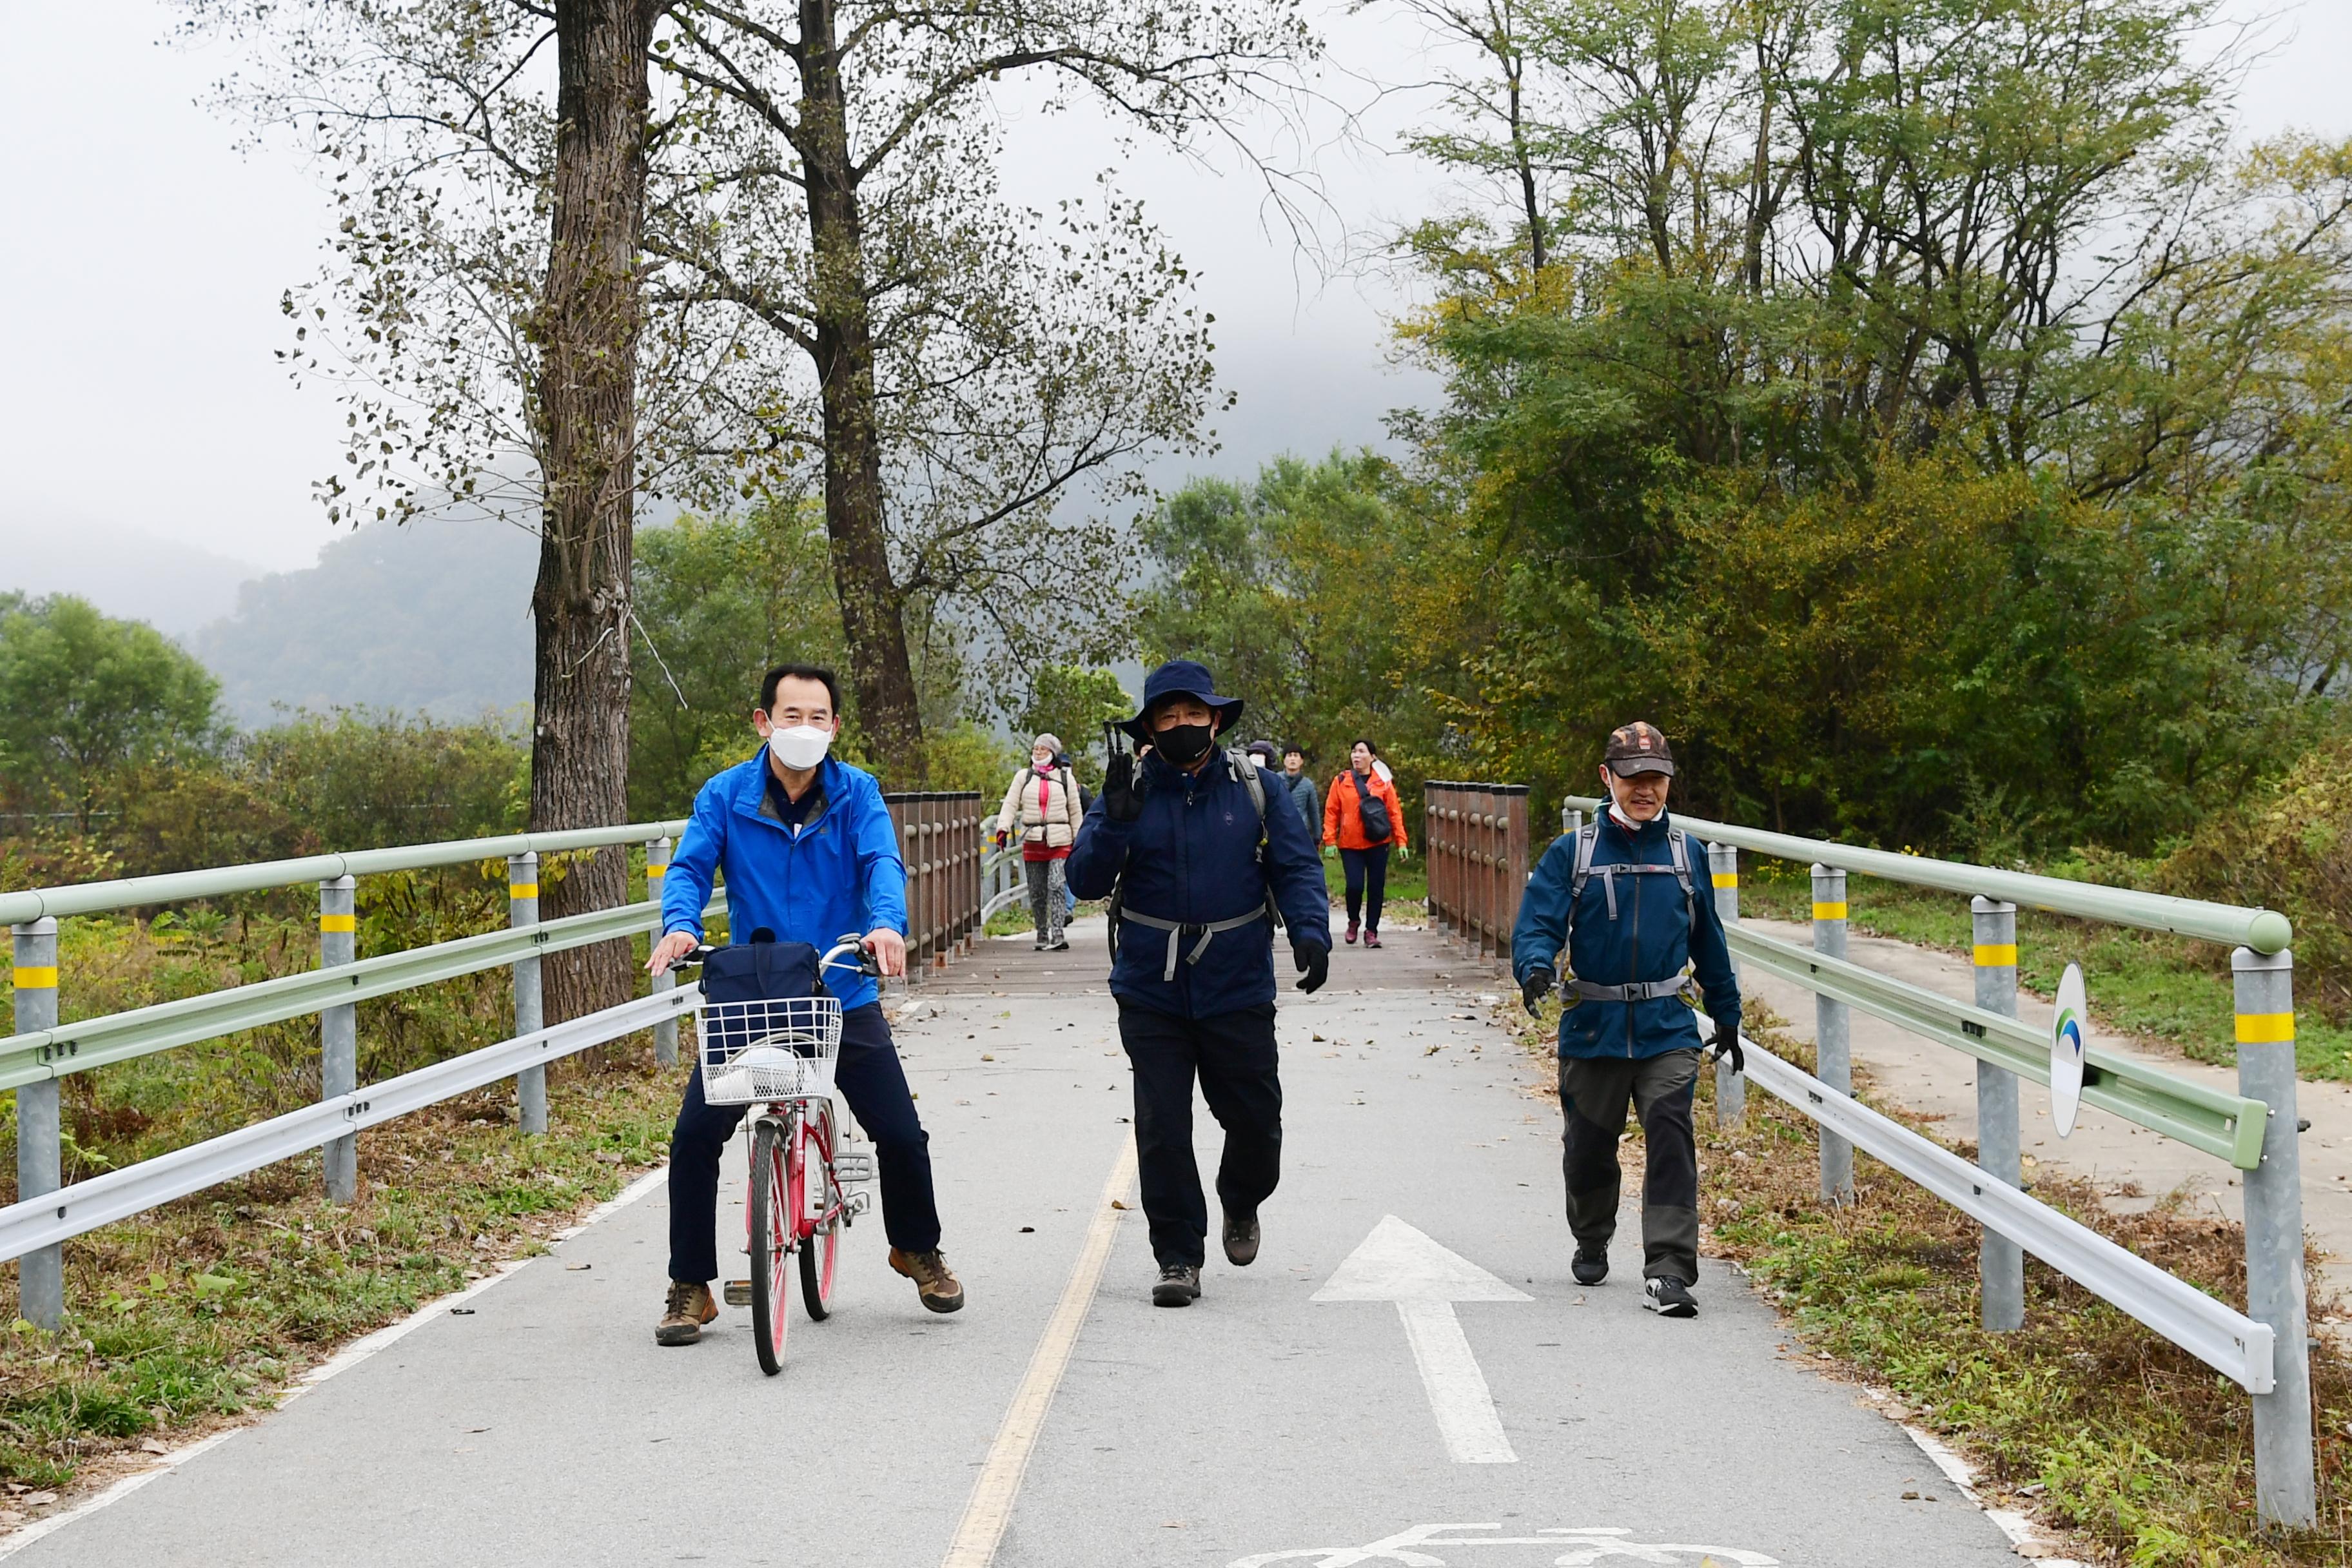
<point x="1183" y="678"/>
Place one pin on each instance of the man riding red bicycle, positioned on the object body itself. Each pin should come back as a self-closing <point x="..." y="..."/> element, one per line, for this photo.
<point x="807" y="850"/>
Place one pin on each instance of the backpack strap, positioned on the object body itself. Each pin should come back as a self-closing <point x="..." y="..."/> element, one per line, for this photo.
<point x="1244" y="768"/>
<point x="1678" y="845"/>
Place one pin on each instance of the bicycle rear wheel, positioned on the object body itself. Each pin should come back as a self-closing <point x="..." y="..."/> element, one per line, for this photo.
<point x="772" y="1223"/>
<point x="821" y="1215"/>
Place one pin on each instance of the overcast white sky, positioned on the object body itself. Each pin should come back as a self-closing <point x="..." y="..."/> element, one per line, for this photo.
<point x="139" y="394"/>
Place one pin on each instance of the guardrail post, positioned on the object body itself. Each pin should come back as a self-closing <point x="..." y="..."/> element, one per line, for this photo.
<point x="339" y="1032"/>
<point x="1832" y="1052"/>
<point x="2284" y="1492"/>
<point x="1722" y="871"/>
<point x="41" y="1273"/>
<point x="522" y="910"/>
<point x="2000" y="1262"/>
<point x="657" y="869"/>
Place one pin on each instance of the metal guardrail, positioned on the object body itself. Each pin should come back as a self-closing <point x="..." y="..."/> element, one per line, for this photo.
<point x="2224" y="1339"/>
<point x="1474" y="837"/>
<point x="2227" y="1126"/>
<point x="2255" y="1130"/>
<point x="940" y="839"/>
<point x="2264" y="931"/>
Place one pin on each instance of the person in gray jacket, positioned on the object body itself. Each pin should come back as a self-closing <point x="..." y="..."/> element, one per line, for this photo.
<point x="1301" y="789"/>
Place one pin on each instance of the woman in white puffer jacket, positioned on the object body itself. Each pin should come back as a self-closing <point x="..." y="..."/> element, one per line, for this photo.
<point x="1043" y="807"/>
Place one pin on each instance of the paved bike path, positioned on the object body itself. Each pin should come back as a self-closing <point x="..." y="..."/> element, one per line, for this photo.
<point x="1255" y="1426"/>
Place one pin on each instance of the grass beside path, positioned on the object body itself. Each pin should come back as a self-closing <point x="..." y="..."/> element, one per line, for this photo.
<point x="2146" y="984"/>
<point x="205" y="1309"/>
<point x="2084" y="1419"/>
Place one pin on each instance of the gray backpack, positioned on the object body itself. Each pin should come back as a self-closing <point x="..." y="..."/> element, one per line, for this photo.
<point x="1678" y="853"/>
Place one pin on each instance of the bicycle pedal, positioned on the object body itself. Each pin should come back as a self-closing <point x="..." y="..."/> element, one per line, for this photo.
<point x="737" y="1292"/>
<point x="853" y="1165"/>
<point x="860" y="1202"/>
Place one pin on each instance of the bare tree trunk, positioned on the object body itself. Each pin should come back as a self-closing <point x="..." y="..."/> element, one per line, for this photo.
<point x="587" y="336"/>
<point x="873" y="615"/>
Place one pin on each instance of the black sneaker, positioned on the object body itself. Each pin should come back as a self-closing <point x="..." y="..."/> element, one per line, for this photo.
<point x="1590" y="1265"/>
<point x="1178" y="1285"/>
<point x="1669" y="1298"/>
<point x="1241" y="1239"/>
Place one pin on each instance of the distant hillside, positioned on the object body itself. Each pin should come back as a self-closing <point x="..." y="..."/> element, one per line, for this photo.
<point x="426" y="616"/>
<point x="131" y="576"/>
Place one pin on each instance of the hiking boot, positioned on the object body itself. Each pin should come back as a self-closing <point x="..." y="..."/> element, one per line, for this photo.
<point x="1351" y="930"/>
<point x="1178" y="1285"/>
<point x="689" y="1308"/>
<point x="1061" y="946"/>
<point x="1371" y="939"/>
<point x="939" y="1288"/>
<point x="1590" y="1265"/>
<point x="1241" y="1239"/>
<point x="1669" y="1298"/>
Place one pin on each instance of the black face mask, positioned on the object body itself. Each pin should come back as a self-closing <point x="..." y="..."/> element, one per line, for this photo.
<point x="1183" y="744"/>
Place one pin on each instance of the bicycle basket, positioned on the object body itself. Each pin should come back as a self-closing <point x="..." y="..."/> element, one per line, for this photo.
<point x="767" y="1049"/>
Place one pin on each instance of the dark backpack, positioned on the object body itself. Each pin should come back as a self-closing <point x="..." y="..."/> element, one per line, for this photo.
<point x="1373" y="812"/>
<point x="761" y="970"/>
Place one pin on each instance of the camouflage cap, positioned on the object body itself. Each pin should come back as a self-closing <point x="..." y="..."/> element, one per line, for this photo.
<point x="1638" y="748"/>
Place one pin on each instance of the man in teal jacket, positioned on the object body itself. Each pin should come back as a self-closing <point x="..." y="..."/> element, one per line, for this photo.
<point x="809" y="854"/>
<point x="1631" y="899"/>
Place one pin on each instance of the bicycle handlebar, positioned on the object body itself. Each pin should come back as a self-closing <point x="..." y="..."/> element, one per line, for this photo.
<point x="850" y="942"/>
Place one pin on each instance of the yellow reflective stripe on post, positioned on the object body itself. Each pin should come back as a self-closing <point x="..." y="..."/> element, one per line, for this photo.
<point x="31" y="979"/>
<point x="655" y="873"/>
<point x="339" y="923"/>
<point x="2264" y="1028"/>
<point x="1726" y="878"/>
<point x="1996" y="955"/>
<point x="1829" y="911"/>
<point x="522" y="890"/>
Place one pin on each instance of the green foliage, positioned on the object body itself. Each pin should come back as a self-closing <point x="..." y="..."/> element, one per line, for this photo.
<point x="721" y="601"/>
<point x="84" y="696"/>
<point x="1330" y="598"/>
<point x="1073" y="703"/>
<point x="1904" y="513"/>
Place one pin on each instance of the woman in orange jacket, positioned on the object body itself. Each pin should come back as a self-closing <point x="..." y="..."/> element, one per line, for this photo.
<point x="1362" y="815"/>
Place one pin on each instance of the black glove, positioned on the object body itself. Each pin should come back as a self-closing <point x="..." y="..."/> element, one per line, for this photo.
<point x="1726" y="1044"/>
<point x="1122" y="791"/>
<point x="1537" y="986"/>
<point x="1314" y="960"/>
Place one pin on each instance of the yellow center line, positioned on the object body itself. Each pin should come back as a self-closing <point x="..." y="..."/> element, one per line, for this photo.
<point x="990" y="1507"/>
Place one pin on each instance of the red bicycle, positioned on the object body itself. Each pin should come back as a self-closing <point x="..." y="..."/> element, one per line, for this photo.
<point x="780" y="1054"/>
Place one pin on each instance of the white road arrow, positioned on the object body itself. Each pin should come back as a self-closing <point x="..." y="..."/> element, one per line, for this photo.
<point x="1396" y="1263"/>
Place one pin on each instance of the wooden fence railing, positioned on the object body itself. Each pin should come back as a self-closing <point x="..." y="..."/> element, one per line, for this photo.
<point x="938" y="837"/>
<point x="1477" y="838"/>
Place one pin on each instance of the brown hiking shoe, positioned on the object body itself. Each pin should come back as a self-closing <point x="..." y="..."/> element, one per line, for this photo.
<point x="688" y="1309"/>
<point x="938" y="1286"/>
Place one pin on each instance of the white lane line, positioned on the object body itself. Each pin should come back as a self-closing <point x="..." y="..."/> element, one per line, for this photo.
<point x="990" y="1507"/>
<point x="343" y="1360"/>
<point x="1396" y="1263"/>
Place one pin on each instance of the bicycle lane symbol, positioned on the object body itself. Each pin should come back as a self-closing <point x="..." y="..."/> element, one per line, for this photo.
<point x="1583" y="1546"/>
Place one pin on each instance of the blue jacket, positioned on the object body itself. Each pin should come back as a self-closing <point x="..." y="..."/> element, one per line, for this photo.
<point x="840" y="874"/>
<point x="1193" y="856"/>
<point x="1651" y="938"/>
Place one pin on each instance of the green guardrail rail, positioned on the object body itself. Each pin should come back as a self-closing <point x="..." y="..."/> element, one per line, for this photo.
<point x="2228" y="1126"/>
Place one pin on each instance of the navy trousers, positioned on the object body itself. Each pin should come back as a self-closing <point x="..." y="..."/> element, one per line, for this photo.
<point x="869" y="1076"/>
<point x="1233" y="1056"/>
<point x="1368" y="882"/>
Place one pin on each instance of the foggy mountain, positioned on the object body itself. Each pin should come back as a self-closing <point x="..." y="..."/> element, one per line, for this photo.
<point x="126" y="573"/>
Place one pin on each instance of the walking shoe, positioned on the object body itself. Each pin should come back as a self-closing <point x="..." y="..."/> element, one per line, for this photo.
<point x="689" y="1308"/>
<point x="1241" y="1239"/>
<point x="1351" y="930"/>
<point x="936" y="1286"/>
<point x="1590" y="1265"/>
<point x="1061" y="946"/>
<point x="1178" y="1285"/>
<point x="1371" y="939"/>
<point x="1668" y="1298"/>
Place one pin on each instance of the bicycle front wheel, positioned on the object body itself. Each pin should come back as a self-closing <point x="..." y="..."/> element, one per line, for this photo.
<point x="772" y="1224"/>
<point x="821" y="1223"/>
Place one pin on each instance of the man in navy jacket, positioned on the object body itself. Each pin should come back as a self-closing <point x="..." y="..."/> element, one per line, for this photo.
<point x="1631" y="899"/>
<point x="809" y="853"/>
<point x="1204" y="864"/>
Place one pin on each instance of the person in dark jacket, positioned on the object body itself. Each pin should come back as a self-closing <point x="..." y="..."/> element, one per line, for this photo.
<point x="1631" y="899"/>
<point x="1203" y="862"/>
<point x="1301" y="789"/>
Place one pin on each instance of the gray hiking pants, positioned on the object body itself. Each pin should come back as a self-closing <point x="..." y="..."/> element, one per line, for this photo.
<point x="1593" y="1092"/>
<point x="1046" y="905"/>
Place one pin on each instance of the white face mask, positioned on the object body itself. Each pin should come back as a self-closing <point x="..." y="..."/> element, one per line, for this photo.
<point x="1041" y="763"/>
<point x="799" y="748"/>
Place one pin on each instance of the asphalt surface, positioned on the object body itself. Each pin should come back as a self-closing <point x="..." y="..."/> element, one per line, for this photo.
<point x="1259" y="1426"/>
